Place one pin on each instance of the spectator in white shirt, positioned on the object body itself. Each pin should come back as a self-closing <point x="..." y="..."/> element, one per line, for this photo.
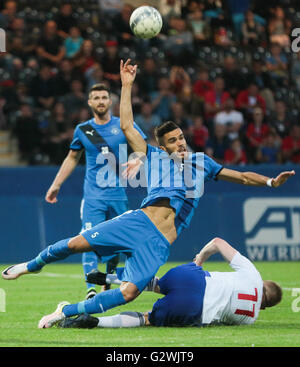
<point x="230" y="117"/>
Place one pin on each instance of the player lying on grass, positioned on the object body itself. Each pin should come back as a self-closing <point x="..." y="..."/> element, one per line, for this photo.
<point x="143" y="235"/>
<point x="195" y="297"/>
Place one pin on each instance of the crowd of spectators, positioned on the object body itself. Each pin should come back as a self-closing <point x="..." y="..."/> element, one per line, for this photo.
<point x="222" y="69"/>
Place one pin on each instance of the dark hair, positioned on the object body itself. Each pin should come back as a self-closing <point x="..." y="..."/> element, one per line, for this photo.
<point x="163" y="129"/>
<point x="99" y="87"/>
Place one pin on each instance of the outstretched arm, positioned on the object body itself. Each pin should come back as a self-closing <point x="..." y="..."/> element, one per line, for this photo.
<point x="254" y="179"/>
<point x="214" y="246"/>
<point x="134" y="138"/>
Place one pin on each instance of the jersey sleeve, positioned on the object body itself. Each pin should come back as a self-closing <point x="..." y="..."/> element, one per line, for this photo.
<point x="76" y="143"/>
<point x="140" y="131"/>
<point x="241" y="263"/>
<point x="151" y="148"/>
<point x="211" y="168"/>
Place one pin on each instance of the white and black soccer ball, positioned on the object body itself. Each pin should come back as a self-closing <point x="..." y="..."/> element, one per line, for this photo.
<point x="145" y="22"/>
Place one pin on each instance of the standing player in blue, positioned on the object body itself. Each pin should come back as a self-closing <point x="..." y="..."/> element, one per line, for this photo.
<point x="143" y="235"/>
<point x="97" y="137"/>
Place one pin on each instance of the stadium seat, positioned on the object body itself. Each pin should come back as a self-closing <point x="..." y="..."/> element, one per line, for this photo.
<point x="192" y="72"/>
<point x="127" y="53"/>
<point x="99" y="52"/>
<point x="164" y="71"/>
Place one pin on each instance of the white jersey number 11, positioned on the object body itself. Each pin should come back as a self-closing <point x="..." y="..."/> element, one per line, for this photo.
<point x="247" y="297"/>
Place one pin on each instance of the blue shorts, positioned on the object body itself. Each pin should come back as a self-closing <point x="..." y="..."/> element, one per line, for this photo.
<point x="184" y="288"/>
<point x="134" y="235"/>
<point x="95" y="211"/>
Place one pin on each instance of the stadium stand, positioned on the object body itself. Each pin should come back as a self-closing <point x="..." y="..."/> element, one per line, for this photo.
<point x="208" y="52"/>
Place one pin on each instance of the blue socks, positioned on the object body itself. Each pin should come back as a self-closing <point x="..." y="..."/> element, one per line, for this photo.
<point x="58" y="251"/>
<point x="98" y="304"/>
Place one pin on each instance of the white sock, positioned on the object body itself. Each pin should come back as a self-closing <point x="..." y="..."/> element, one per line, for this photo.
<point x="112" y="279"/>
<point x="124" y="319"/>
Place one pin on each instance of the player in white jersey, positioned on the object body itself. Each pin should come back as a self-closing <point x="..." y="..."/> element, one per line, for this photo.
<point x="232" y="297"/>
<point x="195" y="297"/>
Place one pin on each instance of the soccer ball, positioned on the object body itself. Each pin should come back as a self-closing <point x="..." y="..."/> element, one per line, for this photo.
<point x="145" y="22"/>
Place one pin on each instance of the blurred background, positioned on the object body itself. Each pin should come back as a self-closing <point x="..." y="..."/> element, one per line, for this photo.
<point x="224" y="70"/>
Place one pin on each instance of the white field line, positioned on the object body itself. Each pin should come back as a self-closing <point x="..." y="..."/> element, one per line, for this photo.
<point x="289" y="289"/>
<point x="58" y="275"/>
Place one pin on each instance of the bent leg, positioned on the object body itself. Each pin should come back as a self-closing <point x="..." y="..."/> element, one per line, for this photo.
<point x="104" y="301"/>
<point x="126" y="319"/>
<point x="59" y="251"/>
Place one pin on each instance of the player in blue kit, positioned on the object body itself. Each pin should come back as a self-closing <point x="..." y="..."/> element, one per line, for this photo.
<point x="143" y="235"/>
<point x="104" y="197"/>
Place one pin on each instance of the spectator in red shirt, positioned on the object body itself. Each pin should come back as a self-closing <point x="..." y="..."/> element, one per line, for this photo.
<point x="235" y="154"/>
<point x="202" y="84"/>
<point x="249" y="98"/>
<point x="214" y="99"/>
<point x="291" y="145"/>
<point x="256" y="132"/>
<point x="200" y="134"/>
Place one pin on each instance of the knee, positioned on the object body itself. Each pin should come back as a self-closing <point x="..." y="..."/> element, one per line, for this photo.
<point x="129" y="291"/>
<point x="79" y="244"/>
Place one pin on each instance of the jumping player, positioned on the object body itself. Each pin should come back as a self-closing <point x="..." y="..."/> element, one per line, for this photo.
<point x="98" y="137"/>
<point x="143" y="235"/>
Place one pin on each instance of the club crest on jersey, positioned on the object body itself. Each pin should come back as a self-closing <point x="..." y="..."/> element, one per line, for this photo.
<point x="104" y="150"/>
<point x="115" y="131"/>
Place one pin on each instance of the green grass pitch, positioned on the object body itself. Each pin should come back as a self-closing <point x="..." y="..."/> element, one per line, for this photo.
<point x="31" y="297"/>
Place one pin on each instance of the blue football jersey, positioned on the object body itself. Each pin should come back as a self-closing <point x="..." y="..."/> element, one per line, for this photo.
<point x="181" y="181"/>
<point x="105" y="148"/>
